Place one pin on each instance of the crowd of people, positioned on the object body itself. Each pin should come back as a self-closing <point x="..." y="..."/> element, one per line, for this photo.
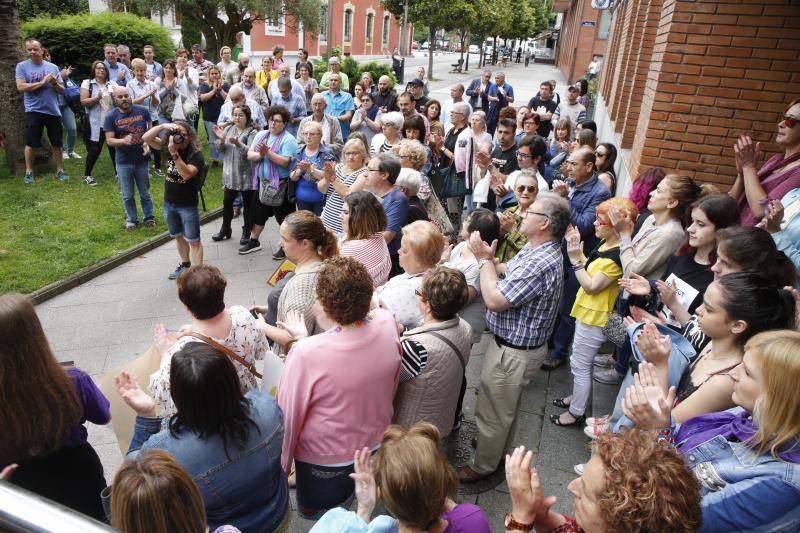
<point x="413" y="235"/>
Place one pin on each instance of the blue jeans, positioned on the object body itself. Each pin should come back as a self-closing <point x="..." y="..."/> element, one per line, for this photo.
<point x="561" y="339"/>
<point x="137" y="174"/>
<point x="182" y="220"/>
<point x="212" y="137"/>
<point x="68" y="120"/>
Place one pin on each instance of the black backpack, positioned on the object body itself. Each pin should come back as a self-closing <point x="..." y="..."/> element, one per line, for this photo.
<point x="200" y="180"/>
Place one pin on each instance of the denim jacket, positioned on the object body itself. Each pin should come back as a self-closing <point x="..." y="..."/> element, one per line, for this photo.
<point x="246" y="487"/>
<point x="788" y="239"/>
<point x="742" y="491"/>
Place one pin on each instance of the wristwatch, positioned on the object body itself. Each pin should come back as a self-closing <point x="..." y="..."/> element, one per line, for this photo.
<point x="510" y="523"/>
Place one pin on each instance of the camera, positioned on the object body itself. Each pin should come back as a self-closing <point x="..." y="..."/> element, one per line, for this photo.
<point x="177" y="138"/>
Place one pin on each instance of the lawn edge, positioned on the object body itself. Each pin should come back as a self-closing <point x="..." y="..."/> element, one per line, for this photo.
<point x="86" y="274"/>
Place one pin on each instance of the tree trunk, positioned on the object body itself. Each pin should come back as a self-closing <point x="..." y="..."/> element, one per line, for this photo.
<point x="12" y="114"/>
<point x="431" y="48"/>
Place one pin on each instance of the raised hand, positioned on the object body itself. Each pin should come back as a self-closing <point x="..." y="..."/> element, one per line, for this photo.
<point x="574" y="244"/>
<point x="644" y="402"/>
<point x="507" y="222"/>
<point x="480" y="249"/>
<point x="561" y="188"/>
<point x="528" y="503"/>
<point x="773" y="216"/>
<point x="747" y="152"/>
<point x="365" y="486"/>
<point x="667" y="293"/>
<point x="635" y="284"/>
<point x="135" y="397"/>
<point x="654" y="347"/>
<point x="294" y="324"/>
<point x="621" y="222"/>
<point x="164" y="338"/>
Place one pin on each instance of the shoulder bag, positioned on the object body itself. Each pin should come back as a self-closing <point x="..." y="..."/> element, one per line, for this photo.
<point x="227" y="351"/>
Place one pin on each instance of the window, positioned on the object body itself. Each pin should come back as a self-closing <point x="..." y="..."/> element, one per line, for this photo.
<point x="275" y="26"/>
<point x="370" y="24"/>
<point x="385" y="38"/>
<point x="348" y="25"/>
<point x="323" y="22"/>
<point x="604" y="24"/>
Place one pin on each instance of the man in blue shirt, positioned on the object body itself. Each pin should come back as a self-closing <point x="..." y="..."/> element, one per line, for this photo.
<point x="40" y="83"/>
<point x="340" y="104"/>
<point x="499" y="95"/>
<point x="116" y="70"/>
<point x="382" y="172"/>
<point x="124" y="127"/>
<point x="293" y="103"/>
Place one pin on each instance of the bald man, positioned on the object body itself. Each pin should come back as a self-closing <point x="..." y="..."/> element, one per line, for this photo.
<point x="385" y="97"/>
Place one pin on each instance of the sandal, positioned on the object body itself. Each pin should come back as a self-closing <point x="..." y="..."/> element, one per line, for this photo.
<point x="559" y="402"/>
<point x="556" y="419"/>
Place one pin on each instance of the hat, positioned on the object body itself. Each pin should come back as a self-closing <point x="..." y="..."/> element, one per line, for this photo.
<point x="417" y="82"/>
<point x="574" y="87"/>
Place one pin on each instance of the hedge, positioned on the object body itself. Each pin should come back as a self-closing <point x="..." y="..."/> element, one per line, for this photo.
<point x="354" y="69"/>
<point x="78" y="40"/>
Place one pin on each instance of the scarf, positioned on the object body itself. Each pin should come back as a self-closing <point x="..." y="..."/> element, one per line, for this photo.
<point x="736" y="425"/>
<point x="270" y="170"/>
<point x="372" y="112"/>
<point x="776" y="182"/>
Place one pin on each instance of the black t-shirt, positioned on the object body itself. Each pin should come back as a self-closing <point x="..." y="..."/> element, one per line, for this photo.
<point x="697" y="275"/>
<point x="388" y="100"/>
<point x="545" y="126"/>
<point x="450" y="143"/>
<point x="419" y="104"/>
<point x="212" y="107"/>
<point x="506" y="163"/>
<point x="177" y="191"/>
<point x="416" y="211"/>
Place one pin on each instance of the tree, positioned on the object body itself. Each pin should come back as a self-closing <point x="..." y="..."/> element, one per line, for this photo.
<point x="12" y="115"/>
<point x="37" y="8"/>
<point x="221" y="20"/>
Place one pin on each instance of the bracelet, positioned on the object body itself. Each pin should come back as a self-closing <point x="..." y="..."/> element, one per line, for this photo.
<point x="578" y="266"/>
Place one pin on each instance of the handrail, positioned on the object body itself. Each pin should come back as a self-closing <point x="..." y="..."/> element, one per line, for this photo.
<point x="22" y="510"/>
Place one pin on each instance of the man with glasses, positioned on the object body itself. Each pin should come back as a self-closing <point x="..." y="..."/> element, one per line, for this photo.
<point x="236" y="97"/>
<point x="382" y="173"/>
<point x="500" y="165"/>
<point x="340" y="103"/>
<point x="521" y="313"/>
<point x="478" y="91"/>
<point x="283" y="73"/>
<point x="585" y="193"/>
<point x="456" y="96"/>
<point x="291" y="101"/>
<point x="331" y="129"/>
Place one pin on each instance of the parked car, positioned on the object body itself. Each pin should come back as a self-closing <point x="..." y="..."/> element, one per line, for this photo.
<point x="424" y="46"/>
<point x="415" y="45"/>
<point x="474" y="49"/>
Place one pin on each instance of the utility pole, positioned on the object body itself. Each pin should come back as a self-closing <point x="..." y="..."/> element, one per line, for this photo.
<point x="404" y="48"/>
<point x="329" y="33"/>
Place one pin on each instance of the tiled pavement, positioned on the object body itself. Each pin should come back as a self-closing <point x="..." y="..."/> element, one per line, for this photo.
<point x="109" y="321"/>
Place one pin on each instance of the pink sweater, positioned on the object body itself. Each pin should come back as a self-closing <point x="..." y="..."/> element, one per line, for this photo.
<point x="336" y="391"/>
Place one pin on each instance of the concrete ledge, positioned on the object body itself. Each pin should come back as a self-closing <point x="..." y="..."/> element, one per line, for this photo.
<point x="82" y="276"/>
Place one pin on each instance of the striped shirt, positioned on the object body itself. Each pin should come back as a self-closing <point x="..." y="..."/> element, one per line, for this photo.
<point x="373" y="253"/>
<point x="533" y="285"/>
<point x="332" y="212"/>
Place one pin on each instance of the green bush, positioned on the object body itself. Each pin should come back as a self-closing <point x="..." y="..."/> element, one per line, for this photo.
<point x="78" y="40"/>
<point x="354" y="69"/>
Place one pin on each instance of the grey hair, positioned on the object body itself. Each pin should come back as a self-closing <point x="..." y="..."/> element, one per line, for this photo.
<point x="557" y="210"/>
<point x="480" y="115"/>
<point x="528" y="173"/>
<point x="284" y="83"/>
<point x="395" y="118"/>
<point x="123" y="48"/>
<point x="487" y="71"/>
<point x="462" y="107"/>
<point x="500" y="73"/>
<point x="389" y="163"/>
<point x="409" y="180"/>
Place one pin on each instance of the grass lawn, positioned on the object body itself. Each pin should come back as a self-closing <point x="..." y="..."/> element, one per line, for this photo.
<point x="51" y="229"/>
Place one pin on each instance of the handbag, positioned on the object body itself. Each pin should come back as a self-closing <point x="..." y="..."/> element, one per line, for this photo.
<point x="437" y="214"/>
<point x="453" y="184"/>
<point x="614" y="330"/>
<point x="72" y="93"/>
<point x="227" y="351"/>
<point x="270" y="195"/>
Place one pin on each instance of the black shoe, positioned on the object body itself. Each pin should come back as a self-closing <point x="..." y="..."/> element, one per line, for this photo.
<point x="245" y="236"/>
<point x="280" y="254"/>
<point x="215" y="164"/>
<point x="252" y="246"/>
<point x="224" y="233"/>
<point x="556" y="419"/>
<point x="559" y="402"/>
<point x="551" y="364"/>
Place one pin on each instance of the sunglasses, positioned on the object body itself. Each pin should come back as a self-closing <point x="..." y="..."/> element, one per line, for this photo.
<point x="529" y="188"/>
<point x="789" y="121"/>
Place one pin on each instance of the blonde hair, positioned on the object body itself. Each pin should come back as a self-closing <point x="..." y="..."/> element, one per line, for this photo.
<point x="357" y="145"/>
<point x="148" y="489"/>
<point x="138" y="63"/>
<point x="413" y="475"/>
<point x="414" y="150"/>
<point x="424" y="241"/>
<point x="777" y="409"/>
<point x="311" y="125"/>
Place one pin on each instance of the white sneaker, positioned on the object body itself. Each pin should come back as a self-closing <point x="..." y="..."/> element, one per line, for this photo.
<point x="597" y="420"/>
<point x="88" y="180"/>
<point x="74" y="155"/>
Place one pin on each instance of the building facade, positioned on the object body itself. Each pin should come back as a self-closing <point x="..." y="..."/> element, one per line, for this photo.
<point x="360" y="27"/>
<point x="682" y="80"/>
<point x="583" y="34"/>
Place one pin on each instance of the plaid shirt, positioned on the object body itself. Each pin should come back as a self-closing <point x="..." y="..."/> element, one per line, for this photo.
<point x="533" y="285"/>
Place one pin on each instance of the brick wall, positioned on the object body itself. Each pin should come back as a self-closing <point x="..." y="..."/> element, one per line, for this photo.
<point x="577" y="44"/>
<point x="683" y="79"/>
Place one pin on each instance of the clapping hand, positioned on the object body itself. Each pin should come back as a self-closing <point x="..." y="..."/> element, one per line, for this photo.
<point x="574" y="244"/>
<point x="263" y="149"/>
<point x="480" y="249"/>
<point x="294" y="324"/>
<point x="528" y="504"/>
<point x="635" y="284"/>
<point x="561" y="188"/>
<point x="654" y="347"/>
<point x="747" y="152"/>
<point x="644" y="402"/>
<point x="640" y="315"/>
<point x="773" y="216"/>
<point x="164" y="338"/>
<point x="507" y="222"/>
<point x="445" y="257"/>
<point x="667" y="293"/>
<point x="330" y="170"/>
<point x="621" y="222"/>
<point x="364" y="479"/>
<point x="135" y="397"/>
<point x="122" y="73"/>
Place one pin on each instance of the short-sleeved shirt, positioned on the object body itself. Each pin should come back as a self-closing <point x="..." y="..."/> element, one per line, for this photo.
<point x="395" y="204"/>
<point x="135" y="123"/>
<point x="339" y="104"/>
<point x="113" y="72"/>
<point x="137" y="89"/>
<point x="533" y="285"/>
<point x="45" y="99"/>
<point x="594" y="309"/>
<point x="177" y="191"/>
<point x="296" y="106"/>
<point x="325" y="82"/>
<point x="287" y="148"/>
<point x="306" y="190"/>
<point x="537" y="105"/>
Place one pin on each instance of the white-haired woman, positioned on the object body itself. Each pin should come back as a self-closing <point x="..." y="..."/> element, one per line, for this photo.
<point x="391" y="133"/>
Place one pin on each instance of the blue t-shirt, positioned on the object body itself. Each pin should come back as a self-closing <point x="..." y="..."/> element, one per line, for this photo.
<point x="113" y="72"/>
<point x="287" y="148"/>
<point x="339" y="104"/>
<point x="395" y="204"/>
<point x="306" y="190"/>
<point x="136" y="123"/>
<point x="45" y="99"/>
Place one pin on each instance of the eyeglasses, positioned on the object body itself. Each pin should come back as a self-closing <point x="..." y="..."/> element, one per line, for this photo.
<point x="789" y="121"/>
<point x="457" y="113"/>
<point x="545" y="215"/>
<point x="523" y="155"/>
<point x="529" y="188"/>
<point x="365" y="100"/>
<point x="352" y="154"/>
<point x="419" y="293"/>
<point x="273" y="121"/>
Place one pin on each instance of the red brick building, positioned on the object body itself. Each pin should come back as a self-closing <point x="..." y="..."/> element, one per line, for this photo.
<point x="583" y="34"/>
<point x="360" y="27"/>
<point x="681" y="80"/>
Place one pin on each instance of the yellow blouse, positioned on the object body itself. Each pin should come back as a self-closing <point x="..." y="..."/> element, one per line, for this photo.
<point x="595" y="309"/>
<point x="261" y="78"/>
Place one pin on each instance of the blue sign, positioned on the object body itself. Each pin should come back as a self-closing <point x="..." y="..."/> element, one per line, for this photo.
<point x="588" y="23"/>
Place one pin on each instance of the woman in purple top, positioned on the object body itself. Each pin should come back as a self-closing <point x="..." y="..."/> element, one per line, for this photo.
<point x="416" y="485"/>
<point x="42" y="411"/>
<point x="754" y="189"/>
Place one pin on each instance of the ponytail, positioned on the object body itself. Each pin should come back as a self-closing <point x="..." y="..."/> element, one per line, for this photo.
<point x="329" y="247"/>
<point x="750" y="297"/>
<point x="305" y="225"/>
<point x="686" y="191"/>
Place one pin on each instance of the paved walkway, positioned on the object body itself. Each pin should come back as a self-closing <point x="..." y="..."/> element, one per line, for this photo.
<point x="109" y="321"/>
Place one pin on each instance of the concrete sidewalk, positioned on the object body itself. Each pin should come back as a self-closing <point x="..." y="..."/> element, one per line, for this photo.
<point x="109" y="321"/>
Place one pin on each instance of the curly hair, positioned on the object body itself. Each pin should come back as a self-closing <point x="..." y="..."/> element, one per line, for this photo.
<point x="414" y="151"/>
<point x="445" y="291"/>
<point x="344" y="289"/>
<point x="648" y="486"/>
